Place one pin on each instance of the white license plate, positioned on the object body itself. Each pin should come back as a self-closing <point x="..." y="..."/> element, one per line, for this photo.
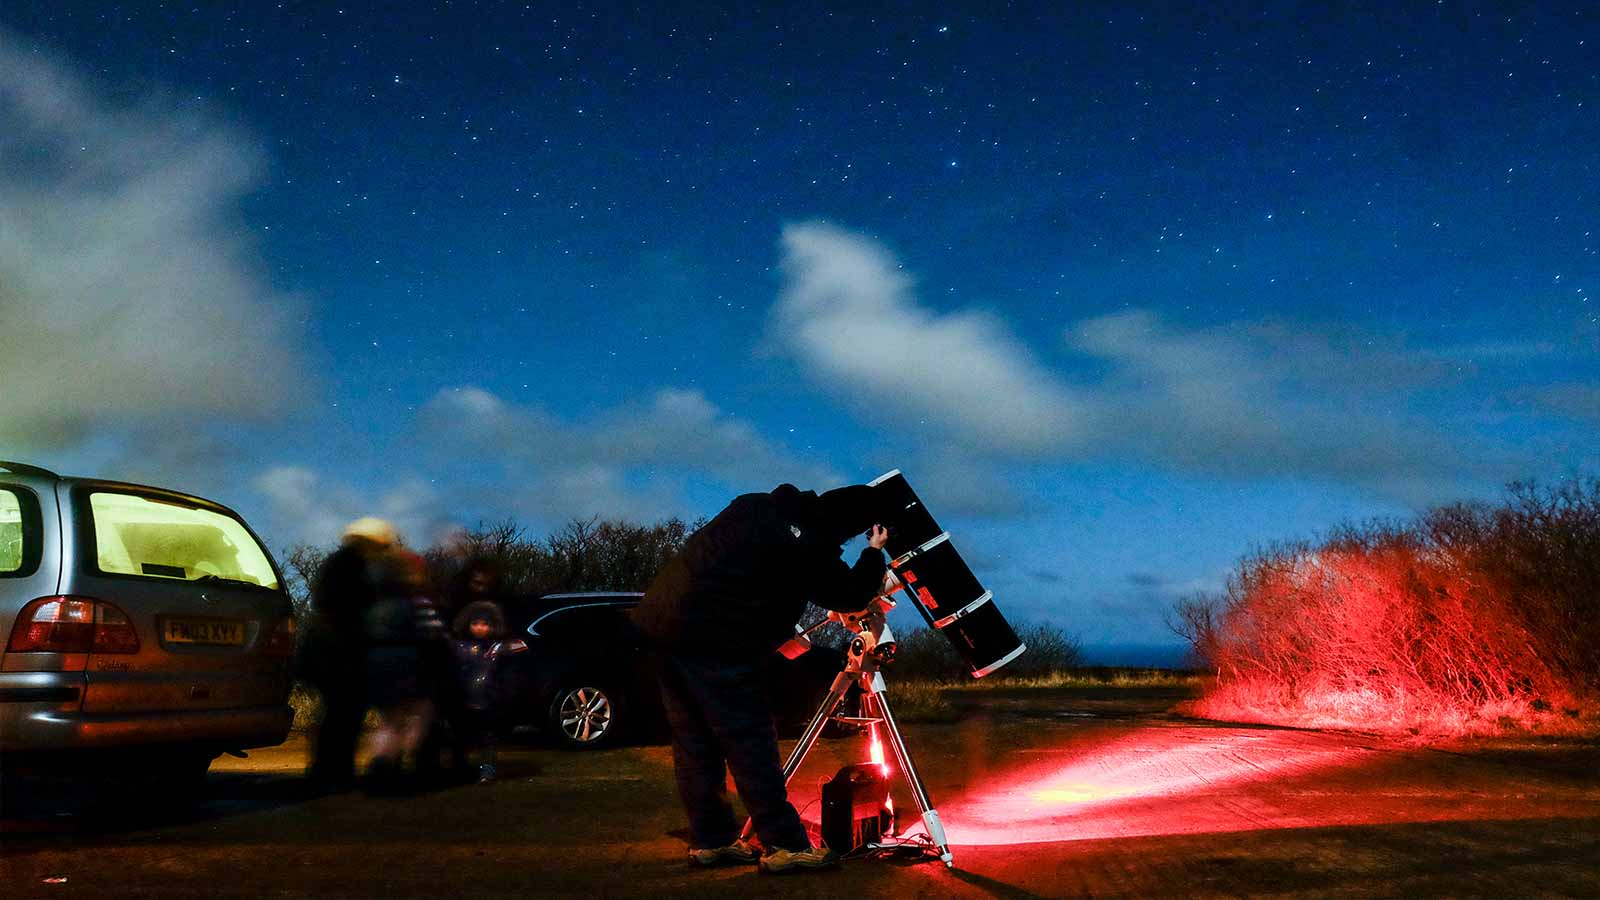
<point x="210" y="632"/>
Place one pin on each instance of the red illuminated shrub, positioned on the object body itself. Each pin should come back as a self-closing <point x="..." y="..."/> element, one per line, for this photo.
<point x="1469" y="619"/>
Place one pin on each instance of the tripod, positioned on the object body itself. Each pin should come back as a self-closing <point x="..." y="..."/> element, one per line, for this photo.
<point x="872" y="646"/>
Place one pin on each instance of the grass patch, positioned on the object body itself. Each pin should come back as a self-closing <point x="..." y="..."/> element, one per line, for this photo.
<point x="1086" y="678"/>
<point x="922" y="701"/>
<point x="927" y="699"/>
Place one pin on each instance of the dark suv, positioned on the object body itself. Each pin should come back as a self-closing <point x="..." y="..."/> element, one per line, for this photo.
<point x="587" y="684"/>
<point x="143" y="626"/>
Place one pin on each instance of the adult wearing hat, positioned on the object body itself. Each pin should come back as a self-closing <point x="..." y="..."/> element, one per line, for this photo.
<point x="715" y="613"/>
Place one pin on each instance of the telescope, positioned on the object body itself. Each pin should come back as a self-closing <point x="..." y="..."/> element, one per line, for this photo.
<point x="950" y="598"/>
<point x="857" y="811"/>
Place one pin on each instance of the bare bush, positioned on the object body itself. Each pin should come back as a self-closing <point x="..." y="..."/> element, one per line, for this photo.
<point x="583" y="555"/>
<point x="924" y="654"/>
<point x="300" y="565"/>
<point x="1464" y="620"/>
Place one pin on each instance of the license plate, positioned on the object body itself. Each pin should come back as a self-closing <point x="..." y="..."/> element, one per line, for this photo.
<point x="210" y="632"/>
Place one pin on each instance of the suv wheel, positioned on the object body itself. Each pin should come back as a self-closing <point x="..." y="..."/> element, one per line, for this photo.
<point x="585" y="717"/>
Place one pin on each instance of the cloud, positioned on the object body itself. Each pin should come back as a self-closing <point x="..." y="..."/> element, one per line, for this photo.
<point x="1243" y="400"/>
<point x="1577" y="401"/>
<point x="847" y="311"/>
<point x="626" y="461"/>
<point x="1265" y="400"/>
<point x="956" y="483"/>
<point x="310" y="509"/>
<point x="128" y="287"/>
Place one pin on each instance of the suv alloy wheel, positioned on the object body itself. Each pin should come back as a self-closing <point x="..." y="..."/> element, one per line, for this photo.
<point x="585" y="717"/>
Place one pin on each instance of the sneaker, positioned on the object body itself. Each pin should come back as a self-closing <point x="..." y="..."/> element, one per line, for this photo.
<point x="781" y="862"/>
<point x="740" y="852"/>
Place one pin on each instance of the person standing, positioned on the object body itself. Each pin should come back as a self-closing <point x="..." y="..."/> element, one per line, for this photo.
<point x="481" y="579"/>
<point x="713" y="614"/>
<point x="334" y="655"/>
<point x="408" y="655"/>
<point x="481" y="647"/>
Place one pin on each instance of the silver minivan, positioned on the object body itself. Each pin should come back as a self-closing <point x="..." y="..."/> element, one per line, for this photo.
<point x="143" y="628"/>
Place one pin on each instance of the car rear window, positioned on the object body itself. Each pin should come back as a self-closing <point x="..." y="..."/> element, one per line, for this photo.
<point x="19" y="533"/>
<point x="150" y="538"/>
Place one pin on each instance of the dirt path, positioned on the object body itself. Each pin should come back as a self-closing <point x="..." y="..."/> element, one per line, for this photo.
<point x="1056" y="794"/>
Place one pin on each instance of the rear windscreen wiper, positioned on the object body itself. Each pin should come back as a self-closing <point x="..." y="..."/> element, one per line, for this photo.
<point x="218" y="579"/>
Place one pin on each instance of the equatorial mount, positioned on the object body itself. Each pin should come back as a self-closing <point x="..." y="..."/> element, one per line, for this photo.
<point x="871" y="646"/>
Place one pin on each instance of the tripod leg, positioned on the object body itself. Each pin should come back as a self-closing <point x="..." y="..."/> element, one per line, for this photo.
<point x="841" y="685"/>
<point x="930" y="816"/>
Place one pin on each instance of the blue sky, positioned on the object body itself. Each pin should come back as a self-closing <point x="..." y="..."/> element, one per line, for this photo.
<point x="1125" y="291"/>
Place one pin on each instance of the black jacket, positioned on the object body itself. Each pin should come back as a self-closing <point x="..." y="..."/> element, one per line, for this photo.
<point x="742" y="581"/>
<point x="345" y="587"/>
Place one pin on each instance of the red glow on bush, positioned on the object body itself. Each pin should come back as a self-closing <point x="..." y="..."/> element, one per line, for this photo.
<point x="1468" y="620"/>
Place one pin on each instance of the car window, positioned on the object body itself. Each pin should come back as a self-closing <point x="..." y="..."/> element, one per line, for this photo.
<point x="139" y="536"/>
<point x="583" y="623"/>
<point x="17" y="533"/>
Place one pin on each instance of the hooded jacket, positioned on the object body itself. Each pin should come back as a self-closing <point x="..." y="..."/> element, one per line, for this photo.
<point x="742" y="581"/>
<point x="478" y="661"/>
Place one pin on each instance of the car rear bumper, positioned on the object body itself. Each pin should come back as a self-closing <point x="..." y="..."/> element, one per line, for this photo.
<point x="40" y="711"/>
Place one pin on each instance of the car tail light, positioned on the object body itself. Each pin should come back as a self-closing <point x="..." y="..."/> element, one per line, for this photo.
<point x="113" y="633"/>
<point x="72" y="625"/>
<point x="281" y="641"/>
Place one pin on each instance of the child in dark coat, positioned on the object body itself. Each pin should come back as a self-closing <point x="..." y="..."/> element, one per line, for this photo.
<point x="480" y="648"/>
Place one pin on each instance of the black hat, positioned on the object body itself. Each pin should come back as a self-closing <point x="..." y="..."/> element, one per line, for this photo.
<point x="849" y="511"/>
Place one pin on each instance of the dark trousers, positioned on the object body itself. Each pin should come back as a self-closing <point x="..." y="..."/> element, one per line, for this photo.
<point x="474" y="729"/>
<point x="333" y="748"/>
<point x="721" y="719"/>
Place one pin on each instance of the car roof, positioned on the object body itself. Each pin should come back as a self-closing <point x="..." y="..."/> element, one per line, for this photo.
<point x="36" y="477"/>
<point x="545" y="604"/>
<point x="555" y="604"/>
<point x="590" y="596"/>
<point x="25" y="469"/>
<point x="32" y="471"/>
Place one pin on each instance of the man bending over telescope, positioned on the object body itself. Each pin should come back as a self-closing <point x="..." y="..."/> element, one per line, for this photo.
<point x="732" y="596"/>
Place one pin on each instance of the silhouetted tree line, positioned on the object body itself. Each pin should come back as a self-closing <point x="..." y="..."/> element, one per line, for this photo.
<point x="583" y="555"/>
<point x="1471" y="617"/>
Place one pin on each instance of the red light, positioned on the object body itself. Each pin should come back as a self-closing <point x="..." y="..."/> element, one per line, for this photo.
<point x="54" y="625"/>
<point x="113" y="633"/>
<point x="72" y="625"/>
<point x="281" y="641"/>
<point x="875" y="752"/>
<point x="1152" y="781"/>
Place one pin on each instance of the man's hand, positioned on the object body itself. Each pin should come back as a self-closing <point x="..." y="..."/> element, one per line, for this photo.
<point x="877" y="536"/>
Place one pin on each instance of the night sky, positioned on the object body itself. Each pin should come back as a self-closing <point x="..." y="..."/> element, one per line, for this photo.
<point x="1124" y="291"/>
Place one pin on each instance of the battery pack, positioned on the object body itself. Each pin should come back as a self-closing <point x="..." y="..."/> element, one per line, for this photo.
<point x="855" y="808"/>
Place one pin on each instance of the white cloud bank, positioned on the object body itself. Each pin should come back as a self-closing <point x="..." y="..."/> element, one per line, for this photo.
<point x="627" y="461"/>
<point x="1246" y="400"/>
<point x="128" y="288"/>
<point x="314" y="510"/>
<point x="849" y="312"/>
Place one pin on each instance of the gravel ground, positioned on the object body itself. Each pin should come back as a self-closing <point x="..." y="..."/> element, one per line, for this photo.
<point x="1045" y="793"/>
